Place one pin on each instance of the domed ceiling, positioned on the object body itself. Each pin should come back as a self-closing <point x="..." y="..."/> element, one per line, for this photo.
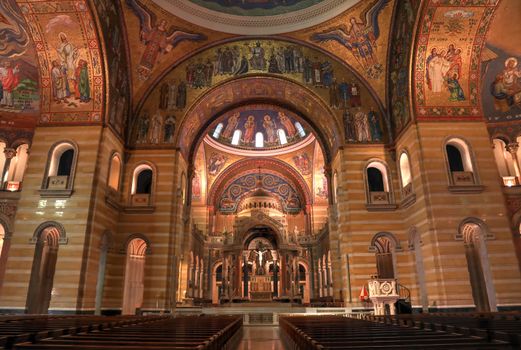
<point x="256" y="17"/>
<point x="258" y="127"/>
<point x="255" y="7"/>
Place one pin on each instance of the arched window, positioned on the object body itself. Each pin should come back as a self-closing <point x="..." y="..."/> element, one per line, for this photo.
<point x="142" y="183"/>
<point x="375" y="180"/>
<point x="59" y="175"/>
<point x="384" y="246"/>
<point x="259" y="140"/>
<point x="114" y="172"/>
<point x="455" y="159"/>
<point x="378" y="186"/>
<point x="134" y="276"/>
<point x="405" y="169"/>
<point x="300" y="129"/>
<point x="236" y="137"/>
<point x="459" y="163"/>
<point x="65" y="163"/>
<point x="217" y="131"/>
<point x="282" y="137"/>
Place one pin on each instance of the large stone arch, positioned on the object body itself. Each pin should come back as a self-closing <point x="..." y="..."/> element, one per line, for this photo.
<point x="259" y="89"/>
<point x="253" y="163"/>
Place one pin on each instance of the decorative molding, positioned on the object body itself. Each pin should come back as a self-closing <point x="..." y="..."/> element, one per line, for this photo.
<point x="255" y="25"/>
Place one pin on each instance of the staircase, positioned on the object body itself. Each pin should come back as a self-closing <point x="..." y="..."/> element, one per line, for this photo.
<point x="403" y="305"/>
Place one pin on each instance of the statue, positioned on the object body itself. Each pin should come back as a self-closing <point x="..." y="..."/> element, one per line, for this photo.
<point x="261" y="254"/>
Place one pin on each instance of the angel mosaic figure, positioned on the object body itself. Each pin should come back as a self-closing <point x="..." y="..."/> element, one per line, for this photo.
<point x="157" y="38"/>
<point x="359" y="37"/>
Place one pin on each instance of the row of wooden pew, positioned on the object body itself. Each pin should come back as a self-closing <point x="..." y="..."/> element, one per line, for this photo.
<point x="338" y="332"/>
<point x="503" y="326"/>
<point x="119" y="332"/>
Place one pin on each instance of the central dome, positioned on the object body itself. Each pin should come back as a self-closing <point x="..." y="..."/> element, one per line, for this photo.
<point x="256" y="7"/>
<point x="256" y="17"/>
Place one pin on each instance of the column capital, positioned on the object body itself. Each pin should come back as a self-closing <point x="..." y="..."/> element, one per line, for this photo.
<point x="512" y="148"/>
<point x="9" y="153"/>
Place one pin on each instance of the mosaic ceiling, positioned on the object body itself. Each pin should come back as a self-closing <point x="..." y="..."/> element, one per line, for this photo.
<point x="258" y="128"/>
<point x="256" y="7"/>
<point x="66" y="62"/>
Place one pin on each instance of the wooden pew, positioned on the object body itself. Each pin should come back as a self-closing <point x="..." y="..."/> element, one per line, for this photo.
<point x="337" y="332"/>
<point x="187" y="332"/>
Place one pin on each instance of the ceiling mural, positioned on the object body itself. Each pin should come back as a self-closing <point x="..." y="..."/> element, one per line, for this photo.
<point x="400" y="51"/>
<point x="157" y="36"/>
<point x="19" y="77"/>
<point x="69" y="58"/>
<point x="447" y="67"/>
<point x="271" y="183"/>
<point x="157" y="40"/>
<point x="501" y="68"/>
<point x="346" y="95"/>
<point x="300" y="158"/>
<point x="255" y="7"/>
<point x="258" y="127"/>
<point x="359" y="37"/>
<point x="118" y="105"/>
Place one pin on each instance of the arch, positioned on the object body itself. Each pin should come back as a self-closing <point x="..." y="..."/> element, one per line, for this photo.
<point x="474" y="233"/>
<point x="217" y="277"/>
<point x="247" y="164"/>
<point x="62" y="238"/>
<point x="394" y="241"/>
<point x="148" y="91"/>
<point x="384" y="244"/>
<point x="115" y="167"/>
<point x="68" y="169"/>
<point x="48" y="236"/>
<point x="133" y="290"/>
<point x="261" y="89"/>
<point x="133" y="236"/>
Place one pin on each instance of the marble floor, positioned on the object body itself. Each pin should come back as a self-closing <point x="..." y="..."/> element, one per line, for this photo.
<point x="260" y="338"/>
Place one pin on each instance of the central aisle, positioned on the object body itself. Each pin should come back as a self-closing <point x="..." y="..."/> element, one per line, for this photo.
<point x="261" y="338"/>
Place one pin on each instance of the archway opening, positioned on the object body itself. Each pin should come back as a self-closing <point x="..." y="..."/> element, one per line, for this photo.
<point x="43" y="270"/>
<point x="134" y="276"/>
<point x="477" y="265"/>
<point x="384" y="257"/>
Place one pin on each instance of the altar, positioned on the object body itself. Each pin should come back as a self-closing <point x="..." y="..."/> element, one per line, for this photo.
<point x="261" y="289"/>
